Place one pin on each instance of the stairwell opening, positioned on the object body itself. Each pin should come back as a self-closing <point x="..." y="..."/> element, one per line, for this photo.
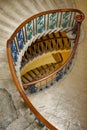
<point x="43" y="33"/>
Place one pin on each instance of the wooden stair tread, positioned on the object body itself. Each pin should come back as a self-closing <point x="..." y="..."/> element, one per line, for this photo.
<point x="49" y="42"/>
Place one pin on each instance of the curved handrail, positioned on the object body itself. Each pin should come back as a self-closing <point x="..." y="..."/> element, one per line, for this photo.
<point x="11" y="65"/>
<point x="42" y="13"/>
<point x="79" y="19"/>
<point x="21" y="91"/>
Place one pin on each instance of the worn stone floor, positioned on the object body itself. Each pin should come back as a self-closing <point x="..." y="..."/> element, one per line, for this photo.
<point x="65" y="103"/>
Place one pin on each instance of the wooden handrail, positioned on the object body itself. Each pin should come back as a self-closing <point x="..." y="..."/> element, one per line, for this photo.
<point x="43" y="13"/>
<point x="10" y="61"/>
<point x="21" y="91"/>
<point x="79" y="20"/>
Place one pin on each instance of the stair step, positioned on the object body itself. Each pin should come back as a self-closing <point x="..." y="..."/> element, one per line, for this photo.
<point x="50" y="67"/>
<point x="24" y="79"/>
<point x="55" y="45"/>
<point x="62" y="34"/>
<point x="54" y="41"/>
<point x="66" y="46"/>
<point x="29" y="55"/>
<point x="60" y="44"/>
<point x="39" y="72"/>
<point x="28" y="77"/>
<point x="50" y="36"/>
<point x="31" y="74"/>
<point x="41" y="44"/>
<point x="44" y="70"/>
<point x="56" y="34"/>
<point x="58" y="57"/>
<point x="48" y="45"/>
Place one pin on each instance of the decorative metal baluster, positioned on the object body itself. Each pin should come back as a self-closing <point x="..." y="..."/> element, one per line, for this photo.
<point x="65" y="19"/>
<point x="47" y="22"/>
<point x="40" y="123"/>
<point x="24" y="38"/>
<point x="74" y="29"/>
<point x="20" y="38"/>
<point x="34" y="27"/>
<point x="44" y="22"/>
<point x="32" y="89"/>
<point x="60" y="19"/>
<point x="29" y="29"/>
<point x="58" y="76"/>
<point x="17" y="43"/>
<point x="73" y="20"/>
<point x="51" y="80"/>
<point x="52" y="20"/>
<point x="46" y="84"/>
<point x="57" y="20"/>
<point x="14" y="51"/>
<point x="41" y="86"/>
<point x="70" y="21"/>
<point x="16" y="46"/>
<point x="25" y="32"/>
<point x="40" y="24"/>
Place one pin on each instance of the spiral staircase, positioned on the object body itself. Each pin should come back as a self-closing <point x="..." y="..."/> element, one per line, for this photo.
<point x="41" y="51"/>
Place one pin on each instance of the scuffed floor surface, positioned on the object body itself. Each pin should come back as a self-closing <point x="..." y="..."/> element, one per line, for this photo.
<point x="65" y="103"/>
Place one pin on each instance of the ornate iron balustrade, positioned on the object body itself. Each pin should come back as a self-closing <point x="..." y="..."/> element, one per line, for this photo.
<point x="33" y="28"/>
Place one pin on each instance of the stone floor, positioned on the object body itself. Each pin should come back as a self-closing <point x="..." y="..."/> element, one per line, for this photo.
<point x="65" y="103"/>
